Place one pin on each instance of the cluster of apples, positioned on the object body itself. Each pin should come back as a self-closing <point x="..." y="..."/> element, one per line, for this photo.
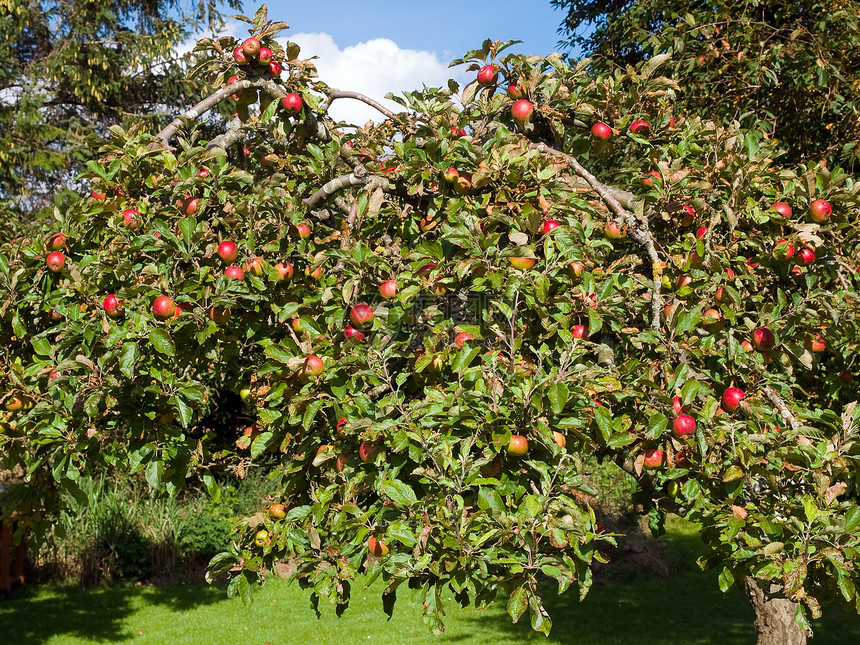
<point x="252" y="50"/>
<point x="522" y="108"/>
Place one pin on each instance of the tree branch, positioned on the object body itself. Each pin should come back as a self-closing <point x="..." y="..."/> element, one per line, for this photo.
<point x="202" y="108"/>
<point x="637" y="230"/>
<point x="345" y="94"/>
<point x="358" y="177"/>
<point x="786" y="414"/>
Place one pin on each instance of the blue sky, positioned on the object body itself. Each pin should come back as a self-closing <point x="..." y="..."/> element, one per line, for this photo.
<point x="378" y="46"/>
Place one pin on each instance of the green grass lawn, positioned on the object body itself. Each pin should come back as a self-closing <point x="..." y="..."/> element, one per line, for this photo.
<point x="684" y="608"/>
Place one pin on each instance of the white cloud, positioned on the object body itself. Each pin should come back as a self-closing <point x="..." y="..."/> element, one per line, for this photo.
<point x="373" y="68"/>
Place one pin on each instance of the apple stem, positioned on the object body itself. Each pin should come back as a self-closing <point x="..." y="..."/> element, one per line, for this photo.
<point x="346" y="94"/>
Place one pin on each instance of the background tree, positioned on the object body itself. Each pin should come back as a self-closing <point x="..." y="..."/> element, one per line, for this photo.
<point x="436" y="320"/>
<point x="790" y="64"/>
<point x="68" y="71"/>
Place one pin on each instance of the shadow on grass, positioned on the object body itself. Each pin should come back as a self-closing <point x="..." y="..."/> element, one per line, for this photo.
<point x="684" y="608"/>
<point x="40" y="614"/>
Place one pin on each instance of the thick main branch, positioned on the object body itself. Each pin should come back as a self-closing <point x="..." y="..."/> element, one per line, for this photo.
<point x="346" y="94"/>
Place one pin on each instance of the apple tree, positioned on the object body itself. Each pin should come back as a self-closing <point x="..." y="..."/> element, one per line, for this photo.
<point x="434" y="320"/>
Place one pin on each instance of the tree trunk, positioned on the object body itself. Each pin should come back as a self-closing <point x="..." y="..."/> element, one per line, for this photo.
<point x="774" y="615"/>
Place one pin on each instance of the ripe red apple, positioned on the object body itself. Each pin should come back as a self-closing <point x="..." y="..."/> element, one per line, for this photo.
<point x="549" y="225"/>
<point x="576" y="269"/>
<point x="579" y="331"/>
<point x="235" y="272"/>
<point x="56" y="261"/>
<point x="361" y="316"/>
<point x="292" y="103"/>
<point x="747" y="346"/>
<point x="56" y="242"/>
<point x="521" y="110"/>
<point x="269" y="160"/>
<point x="518" y="446"/>
<point x="240" y="56"/>
<point x="189" y="206"/>
<point x="425" y="269"/>
<point x="251" y="46"/>
<point x="388" y="289"/>
<point x="163" y="308"/>
<point x="682" y="281"/>
<point x="377" y="547"/>
<point x="277" y="511"/>
<point x="782" y="208"/>
<point x="316" y="274"/>
<point x="457" y="132"/>
<point x="601" y="131"/>
<point x="284" y="270"/>
<point x="367" y="450"/>
<point x="650" y="176"/>
<point x="488" y="75"/>
<point x="351" y="332"/>
<point x="516" y="91"/>
<point x="228" y="252"/>
<point x="613" y="231"/>
<point x="303" y="230"/>
<point x="203" y="173"/>
<point x="653" y="458"/>
<point x="783" y="250"/>
<point x="522" y="263"/>
<point x="814" y="343"/>
<point x="820" y="210"/>
<point x="640" y="127"/>
<point x="688" y="216"/>
<point x="340" y="425"/>
<point x="763" y="339"/>
<point x="677" y="407"/>
<point x="683" y="425"/>
<point x="219" y="315"/>
<point x="265" y="55"/>
<point x="313" y="367"/>
<point x="254" y="266"/>
<point x="701" y="232"/>
<point x="462" y="338"/>
<point x="806" y="256"/>
<point x="731" y="399"/>
<point x="722" y="296"/>
<point x="451" y="175"/>
<point x="275" y="69"/>
<point x="111" y="305"/>
<point x="712" y="320"/>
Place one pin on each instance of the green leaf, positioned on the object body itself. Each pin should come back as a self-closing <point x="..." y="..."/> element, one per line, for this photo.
<point x="127" y="359"/>
<point x="187" y="225"/>
<point x="726" y="579"/>
<point x="558" y="395"/>
<point x="518" y="603"/>
<point x="160" y="340"/>
<point x="399" y="492"/>
<point x="852" y="518"/>
<point x="657" y="425"/>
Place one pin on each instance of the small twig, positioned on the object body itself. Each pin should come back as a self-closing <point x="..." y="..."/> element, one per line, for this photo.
<point x="786" y="414"/>
<point x="345" y="94"/>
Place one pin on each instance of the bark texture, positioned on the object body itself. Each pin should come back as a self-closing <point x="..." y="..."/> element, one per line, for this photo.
<point x="774" y="615"/>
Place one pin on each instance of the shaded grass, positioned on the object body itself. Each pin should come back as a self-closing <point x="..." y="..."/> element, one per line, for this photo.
<point x="685" y="608"/>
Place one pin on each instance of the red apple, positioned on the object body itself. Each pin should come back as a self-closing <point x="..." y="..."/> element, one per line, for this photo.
<point x="712" y="320"/>
<point x="292" y="103"/>
<point x="688" y="216"/>
<point x="722" y="296"/>
<point x="240" y="56"/>
<point x="351" y="332"/>
<point x="653" y="458"/>
<point x="613" y="231"/>
<point x="518" y="446"/>
<point x="579" y="331"/>
<point x="650" y="176"/>
<point x="131" y="217"/>
<point x="820" y="210"/>
<point x="265" y="55"/>
<point x="254" y="266"/>
<point x="163" y="307"/>
<point x="219" y="315"/>
<point x="361" y="316"/>
<point x="576" y="269"/>
<point x="457" y="132"/>
<point x="234" y="272"/>
<point x="303" y="230"/>
<point x="251" y="46"/>
<point x="701" y="232"/>
<point x="783" y="250"/>
<point x="56" y="261"/>
<point x="189" y="206"/>
<point x="731" y="399"/>
<point x="549" y="225"/>
<point x="111" y="305"/>
<point x="782" y="208"/>
<point x="640" y="127"/>
<point x="682" y="281"/>
<point x="284" y="270"/>
<point x="806" y="256"/>
<point x="367" y="450"/>
<point x="462" y="338"/>
<point x="377" y="547"/>
<point x="814" y="343"/>
<point x="277" y="511"/>
<point x="340" y="425"/>
<point x="56" y="242"/>
<point x="747" y="346"/>
<point x="228" y="252"/>
<point x="388" y="289"/>
<point x="275" y="69"/>
<point x="516" y="91"/>
<point x="488" y="75"/>
<point x="763" y="339"/>
<point x="677" y="406"/>
<point x="522" y="263"/>
<point x="269" y="160"/>
<point x="313" y="367"/>
<point x="601" y="131"/>
<point x="521" y="110"/>
<point x="683" y="425"/>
